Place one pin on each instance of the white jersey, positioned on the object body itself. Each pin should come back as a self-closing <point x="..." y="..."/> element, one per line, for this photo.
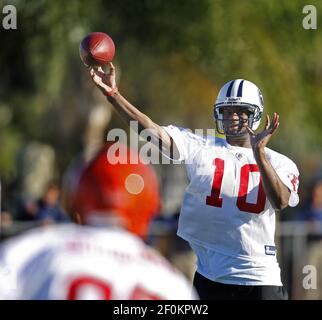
<point x="81" y="262"/>
<point x="225" y="215"/>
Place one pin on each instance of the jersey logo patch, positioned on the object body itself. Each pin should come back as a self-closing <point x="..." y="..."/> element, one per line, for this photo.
<point x="295" y="181"/>
<point x="270" y="250"/>
<point x="238" y="156"/>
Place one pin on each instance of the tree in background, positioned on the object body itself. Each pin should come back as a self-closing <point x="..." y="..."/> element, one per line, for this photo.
<point x="173" y="56"/>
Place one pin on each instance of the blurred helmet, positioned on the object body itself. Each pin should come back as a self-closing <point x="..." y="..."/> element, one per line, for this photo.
<point x="239" y="93"/>
<point x="127" y="192"/>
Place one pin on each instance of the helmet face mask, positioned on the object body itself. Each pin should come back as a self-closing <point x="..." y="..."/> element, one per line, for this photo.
<point x="245" y="115"/>
<point x="243" y="99"/>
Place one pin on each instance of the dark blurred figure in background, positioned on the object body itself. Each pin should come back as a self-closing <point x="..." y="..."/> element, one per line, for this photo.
<point x="45" y="210"/>
<point x="312" y="209"/>
<point x="49" y="208"/>
<point x="27" y="209"/>
<point x="311" y="212"/>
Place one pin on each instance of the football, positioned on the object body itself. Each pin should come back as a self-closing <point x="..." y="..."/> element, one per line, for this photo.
<point x="97" y="49"/>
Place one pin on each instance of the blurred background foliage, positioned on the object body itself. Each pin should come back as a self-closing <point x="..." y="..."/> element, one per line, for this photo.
<point x="172" y="58"/>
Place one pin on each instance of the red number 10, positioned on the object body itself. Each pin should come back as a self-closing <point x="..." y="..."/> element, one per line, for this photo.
<point x="242" y="204"/>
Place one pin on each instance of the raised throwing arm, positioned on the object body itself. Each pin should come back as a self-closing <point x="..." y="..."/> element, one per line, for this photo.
<point x="107" y="84"/>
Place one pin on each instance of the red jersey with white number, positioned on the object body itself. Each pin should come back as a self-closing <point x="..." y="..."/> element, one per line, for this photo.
<point x="78" y="262"/>
<point x="225" y="215"/>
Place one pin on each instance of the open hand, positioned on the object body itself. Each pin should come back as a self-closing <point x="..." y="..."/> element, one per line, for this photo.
<point x="261" y="139"/>
<point x="104" y="81"/>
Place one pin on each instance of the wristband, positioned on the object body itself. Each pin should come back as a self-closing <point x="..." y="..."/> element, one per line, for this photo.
<point x="111" y="93"/>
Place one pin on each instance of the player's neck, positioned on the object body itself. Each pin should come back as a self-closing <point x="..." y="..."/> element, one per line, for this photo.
<point x="241" y="141"/>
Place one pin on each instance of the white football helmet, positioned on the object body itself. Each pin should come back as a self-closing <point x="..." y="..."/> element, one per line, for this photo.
<point x="241" y="93"/>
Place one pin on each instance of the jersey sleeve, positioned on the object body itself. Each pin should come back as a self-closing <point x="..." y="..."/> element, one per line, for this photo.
<point x="186" y="142"/>
<point x="289" y="174"/>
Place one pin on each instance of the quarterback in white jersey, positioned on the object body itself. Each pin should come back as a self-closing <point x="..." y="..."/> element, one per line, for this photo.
<point x="225" y="215"/>
<point x="236" y="186"/>
<point x="103" y="259"/>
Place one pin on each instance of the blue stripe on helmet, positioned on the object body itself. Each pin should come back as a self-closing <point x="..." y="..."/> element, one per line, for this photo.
<point x="228" y="94"/>
<point x="240" y="89"/>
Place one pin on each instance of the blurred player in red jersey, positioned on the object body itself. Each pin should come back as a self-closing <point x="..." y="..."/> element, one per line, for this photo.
<point x="236" y="185"/>
<point x="104" y="257"/>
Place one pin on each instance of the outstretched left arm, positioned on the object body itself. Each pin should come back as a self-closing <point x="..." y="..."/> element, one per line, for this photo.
<point x="276" y="191"/>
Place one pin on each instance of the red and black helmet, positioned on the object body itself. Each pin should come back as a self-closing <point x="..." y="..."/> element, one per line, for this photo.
<point x="128" y="191"/>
